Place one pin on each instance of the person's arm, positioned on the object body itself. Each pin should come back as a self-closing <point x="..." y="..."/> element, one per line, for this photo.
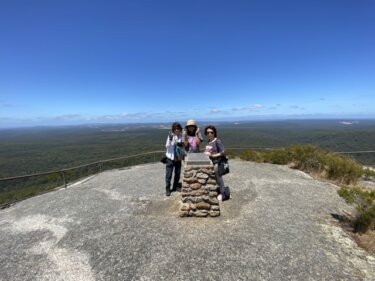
<point x="186" y="139"/>
<point x="220" y="149"/>
<point x="198" y="136"/>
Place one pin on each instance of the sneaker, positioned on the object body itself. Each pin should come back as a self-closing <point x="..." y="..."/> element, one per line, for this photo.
<point x="220" y="197"/>
<point x="177" y="187"/>
<point x="225" y="198"/>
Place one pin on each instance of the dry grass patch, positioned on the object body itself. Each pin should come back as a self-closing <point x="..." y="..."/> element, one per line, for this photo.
<point x="366" y="241"/>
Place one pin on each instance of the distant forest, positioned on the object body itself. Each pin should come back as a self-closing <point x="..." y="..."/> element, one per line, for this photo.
<point x="41" y="149"/>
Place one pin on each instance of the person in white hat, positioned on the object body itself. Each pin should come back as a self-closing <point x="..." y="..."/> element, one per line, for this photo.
<point x="193" y="136"/>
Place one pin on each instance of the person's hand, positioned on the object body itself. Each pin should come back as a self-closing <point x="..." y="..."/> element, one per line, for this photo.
<point x="170" y="135"/>
<point x="197" y="132"/>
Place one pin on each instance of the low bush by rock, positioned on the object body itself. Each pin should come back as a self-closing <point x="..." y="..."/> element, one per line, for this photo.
<point x="364" y="200"/>
<point x="311" y="159"/>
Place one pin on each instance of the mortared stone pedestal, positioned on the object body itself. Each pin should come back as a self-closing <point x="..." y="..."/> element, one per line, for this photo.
<point x="198" y="193"/>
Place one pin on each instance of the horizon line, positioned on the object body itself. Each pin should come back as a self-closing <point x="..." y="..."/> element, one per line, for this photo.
<point x="217" y="120"/>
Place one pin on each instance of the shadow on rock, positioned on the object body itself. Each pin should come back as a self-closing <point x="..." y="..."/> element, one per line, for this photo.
<point x="230" y="209"/>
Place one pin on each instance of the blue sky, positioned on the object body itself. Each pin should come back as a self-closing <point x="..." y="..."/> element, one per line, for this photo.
<point x="74" y="62"/>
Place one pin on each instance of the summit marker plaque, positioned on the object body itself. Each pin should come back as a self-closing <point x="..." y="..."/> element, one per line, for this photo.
<point x="197" y="159"/>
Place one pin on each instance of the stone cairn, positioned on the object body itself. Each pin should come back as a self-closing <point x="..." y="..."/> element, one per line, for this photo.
<point x="198" y="193"/>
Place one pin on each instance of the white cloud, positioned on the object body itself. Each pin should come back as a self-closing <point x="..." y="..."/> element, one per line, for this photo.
<point x="238" y="108"/>
<point x="137" y="116"/>
<point x="256" y="107"/>
<point x="67" y="117"/>
<point x="253" y="107"/>
<point x="216" y="111"/>
<point x="297" y="107"/>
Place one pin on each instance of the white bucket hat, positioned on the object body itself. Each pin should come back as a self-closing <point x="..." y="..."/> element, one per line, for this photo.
<point x="191" y="122"/>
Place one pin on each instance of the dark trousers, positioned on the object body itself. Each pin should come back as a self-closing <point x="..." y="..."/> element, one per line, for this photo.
<point x="170" y="165"/>
<point x="219" y="179"/>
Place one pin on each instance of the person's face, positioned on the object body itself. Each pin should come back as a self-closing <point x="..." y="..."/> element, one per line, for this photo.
<point x="191" y="128"/>
<point x="210" y="134"/>
<point x="177" y="131"/>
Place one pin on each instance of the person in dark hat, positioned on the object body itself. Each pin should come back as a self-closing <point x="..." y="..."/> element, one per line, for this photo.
<point x="215" y="151"/>
<point x="175" y="153"/>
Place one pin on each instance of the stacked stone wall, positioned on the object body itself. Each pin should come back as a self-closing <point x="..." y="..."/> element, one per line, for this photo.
<point x="198" y="193"/>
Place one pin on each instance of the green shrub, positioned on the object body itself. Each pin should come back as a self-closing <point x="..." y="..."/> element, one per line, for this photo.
<point x="348" y="194"/>
<point x="365" y="204"/>
<point x="357" y="195"/>
<point x="252" y="155"/>
<point x="343" y="169"/>
<point x="365" y="220"/>
<point x="307" y="157"/>
<point x="277" y="157"/>
<point x="367" y="173"/>
<point x="310" y="158"/>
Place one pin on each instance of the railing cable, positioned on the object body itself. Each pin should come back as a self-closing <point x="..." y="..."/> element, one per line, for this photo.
<point x="83" y="166"/>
